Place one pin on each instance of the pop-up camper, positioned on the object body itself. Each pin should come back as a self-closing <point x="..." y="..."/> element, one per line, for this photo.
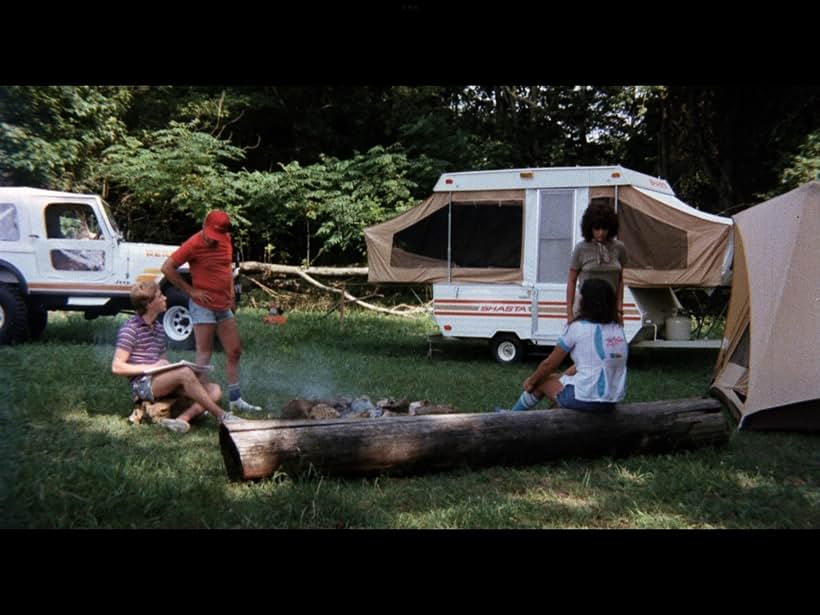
<point x="496" y="247"/>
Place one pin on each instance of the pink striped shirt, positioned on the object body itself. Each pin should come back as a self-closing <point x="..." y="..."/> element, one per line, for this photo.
<point x="145" y="343"/>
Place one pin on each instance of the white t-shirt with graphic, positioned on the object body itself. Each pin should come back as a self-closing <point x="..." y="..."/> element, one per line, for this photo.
<point x="599" y="353"/>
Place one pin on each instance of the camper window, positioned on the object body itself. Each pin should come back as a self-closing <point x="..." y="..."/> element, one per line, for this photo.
<point x="483" y="235"/>
<point x="554" y="234"/>
<point x="487" y="236"/>
<point x="427" y="237"/>
<point x="652" y="243"/>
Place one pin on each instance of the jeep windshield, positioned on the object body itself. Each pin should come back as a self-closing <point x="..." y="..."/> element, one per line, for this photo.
<point x="111" y="220"/>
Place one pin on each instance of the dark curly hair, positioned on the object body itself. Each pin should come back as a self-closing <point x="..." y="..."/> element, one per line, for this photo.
<point x="598" y="301"/>
<point x="599" y="215"/>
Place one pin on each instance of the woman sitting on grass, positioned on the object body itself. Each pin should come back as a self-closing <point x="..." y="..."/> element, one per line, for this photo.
<point x="597" y="344"/>
<point x="141" y="345"/>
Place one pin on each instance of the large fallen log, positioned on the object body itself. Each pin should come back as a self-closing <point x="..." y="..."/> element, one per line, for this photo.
<point x="418" y="444"/>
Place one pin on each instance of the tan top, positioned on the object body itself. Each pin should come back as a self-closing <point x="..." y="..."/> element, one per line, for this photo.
<point x="604" y="261"/>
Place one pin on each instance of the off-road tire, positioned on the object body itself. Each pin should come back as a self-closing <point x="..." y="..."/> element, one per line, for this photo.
<point x="13" y="315"/>
<point x="37" y="321"/>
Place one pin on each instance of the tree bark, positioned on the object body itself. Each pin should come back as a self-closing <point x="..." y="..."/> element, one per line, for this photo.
<point x="419" y="444"/>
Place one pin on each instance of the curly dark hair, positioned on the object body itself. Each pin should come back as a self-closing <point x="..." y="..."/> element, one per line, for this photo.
<point x="598" y="301"/>
<point x="599" y="215"/>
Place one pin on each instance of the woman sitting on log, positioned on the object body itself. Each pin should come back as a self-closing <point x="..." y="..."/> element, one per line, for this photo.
<point x="597" y="344"/>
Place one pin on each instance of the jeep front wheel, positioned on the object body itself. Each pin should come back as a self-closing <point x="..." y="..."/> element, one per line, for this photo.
<point x="13" y="316"/>
<point x="178" y="326"/>
<point x="37" y="321"/>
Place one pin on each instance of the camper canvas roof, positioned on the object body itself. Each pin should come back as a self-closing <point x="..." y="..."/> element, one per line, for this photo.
<point x="554" y="177"/>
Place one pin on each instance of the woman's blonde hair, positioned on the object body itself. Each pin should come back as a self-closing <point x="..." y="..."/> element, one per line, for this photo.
<point x="142" y="293"/>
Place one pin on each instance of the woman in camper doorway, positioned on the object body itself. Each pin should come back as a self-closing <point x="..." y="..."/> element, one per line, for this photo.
<point x="600" y="255"/>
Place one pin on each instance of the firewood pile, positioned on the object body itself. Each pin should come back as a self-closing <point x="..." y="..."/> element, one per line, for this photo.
<point x="153" y="411"/>
<point x="359" y="408"/>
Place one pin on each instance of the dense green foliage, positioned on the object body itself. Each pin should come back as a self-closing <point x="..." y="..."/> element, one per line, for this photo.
<point x="804" y="166"/>
<point x="303" y="168"/>
<point x="69" y="459"/>
<point x="53" y="137"/>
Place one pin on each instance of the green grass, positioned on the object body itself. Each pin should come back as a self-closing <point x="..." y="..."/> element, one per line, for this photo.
<point x="69" y="459"/>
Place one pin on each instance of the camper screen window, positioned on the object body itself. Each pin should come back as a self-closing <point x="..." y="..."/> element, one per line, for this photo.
<point x="484" y="235"/>
<point x="651" y="243"/>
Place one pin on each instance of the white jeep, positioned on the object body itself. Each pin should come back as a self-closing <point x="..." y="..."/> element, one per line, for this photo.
<point x="63" y="251"/>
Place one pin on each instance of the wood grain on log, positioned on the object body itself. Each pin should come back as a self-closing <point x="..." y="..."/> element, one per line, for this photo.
<point x="418" y="444"/>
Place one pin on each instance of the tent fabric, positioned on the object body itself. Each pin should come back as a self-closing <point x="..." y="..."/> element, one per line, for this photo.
<point x="390" y="263"/>
<point x="668" y="242"/>
<point x="770" y="380"/>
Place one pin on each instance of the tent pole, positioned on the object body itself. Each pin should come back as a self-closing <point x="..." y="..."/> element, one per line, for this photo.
<point x="616" y="199"/>
<point x="450" y="239"/>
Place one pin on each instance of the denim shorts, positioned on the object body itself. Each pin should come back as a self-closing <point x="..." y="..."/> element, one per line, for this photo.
<point x="566" y="399"/>
<point x="141" y="389"/>
<point x="203" y="316"/>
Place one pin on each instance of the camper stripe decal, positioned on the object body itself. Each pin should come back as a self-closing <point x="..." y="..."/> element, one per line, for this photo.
<point x="512" y="308"/>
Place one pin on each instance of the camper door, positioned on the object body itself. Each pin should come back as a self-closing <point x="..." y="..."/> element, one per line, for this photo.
<point x="556" y="213"/>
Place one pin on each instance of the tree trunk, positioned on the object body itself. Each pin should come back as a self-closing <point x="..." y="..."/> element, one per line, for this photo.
<point x="418" y="444"/>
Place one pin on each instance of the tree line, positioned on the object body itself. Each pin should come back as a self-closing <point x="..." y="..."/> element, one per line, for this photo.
<point x="302" y="169"/>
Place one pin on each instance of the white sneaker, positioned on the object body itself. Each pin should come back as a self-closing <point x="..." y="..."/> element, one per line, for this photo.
<point x="177" y="425"/>
<point x="230" y="417"/>
<point x="240" y="405"/>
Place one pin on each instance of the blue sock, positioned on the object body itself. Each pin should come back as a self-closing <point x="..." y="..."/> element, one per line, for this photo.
<point x="527" y="401"/>
<point x="233" y="392"/>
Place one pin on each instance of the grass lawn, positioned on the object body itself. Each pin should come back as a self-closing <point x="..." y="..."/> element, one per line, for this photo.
<point x="69" y="459"/>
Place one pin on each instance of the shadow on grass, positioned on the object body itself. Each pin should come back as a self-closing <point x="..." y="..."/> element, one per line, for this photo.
<point x="709" y="488"/>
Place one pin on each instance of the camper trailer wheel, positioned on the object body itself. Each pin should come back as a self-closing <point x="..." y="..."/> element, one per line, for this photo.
<point x="507" y="348"/>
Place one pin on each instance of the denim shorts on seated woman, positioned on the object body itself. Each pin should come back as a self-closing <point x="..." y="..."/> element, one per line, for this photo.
<point x="566" y="399"/>
<point x="141" y="389"/>
<point x="203" y="316"/>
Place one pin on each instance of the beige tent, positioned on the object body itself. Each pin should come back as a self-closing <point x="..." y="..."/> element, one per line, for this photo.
<point x="669" y="242"/>
<point x="768" y="369"/>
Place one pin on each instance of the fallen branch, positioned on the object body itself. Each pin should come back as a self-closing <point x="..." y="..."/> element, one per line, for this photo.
<point x="257" y="267"/>
<point x="267" y="289"/>
<point x="252" y="266"/>
<point x="338" y="305"/>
